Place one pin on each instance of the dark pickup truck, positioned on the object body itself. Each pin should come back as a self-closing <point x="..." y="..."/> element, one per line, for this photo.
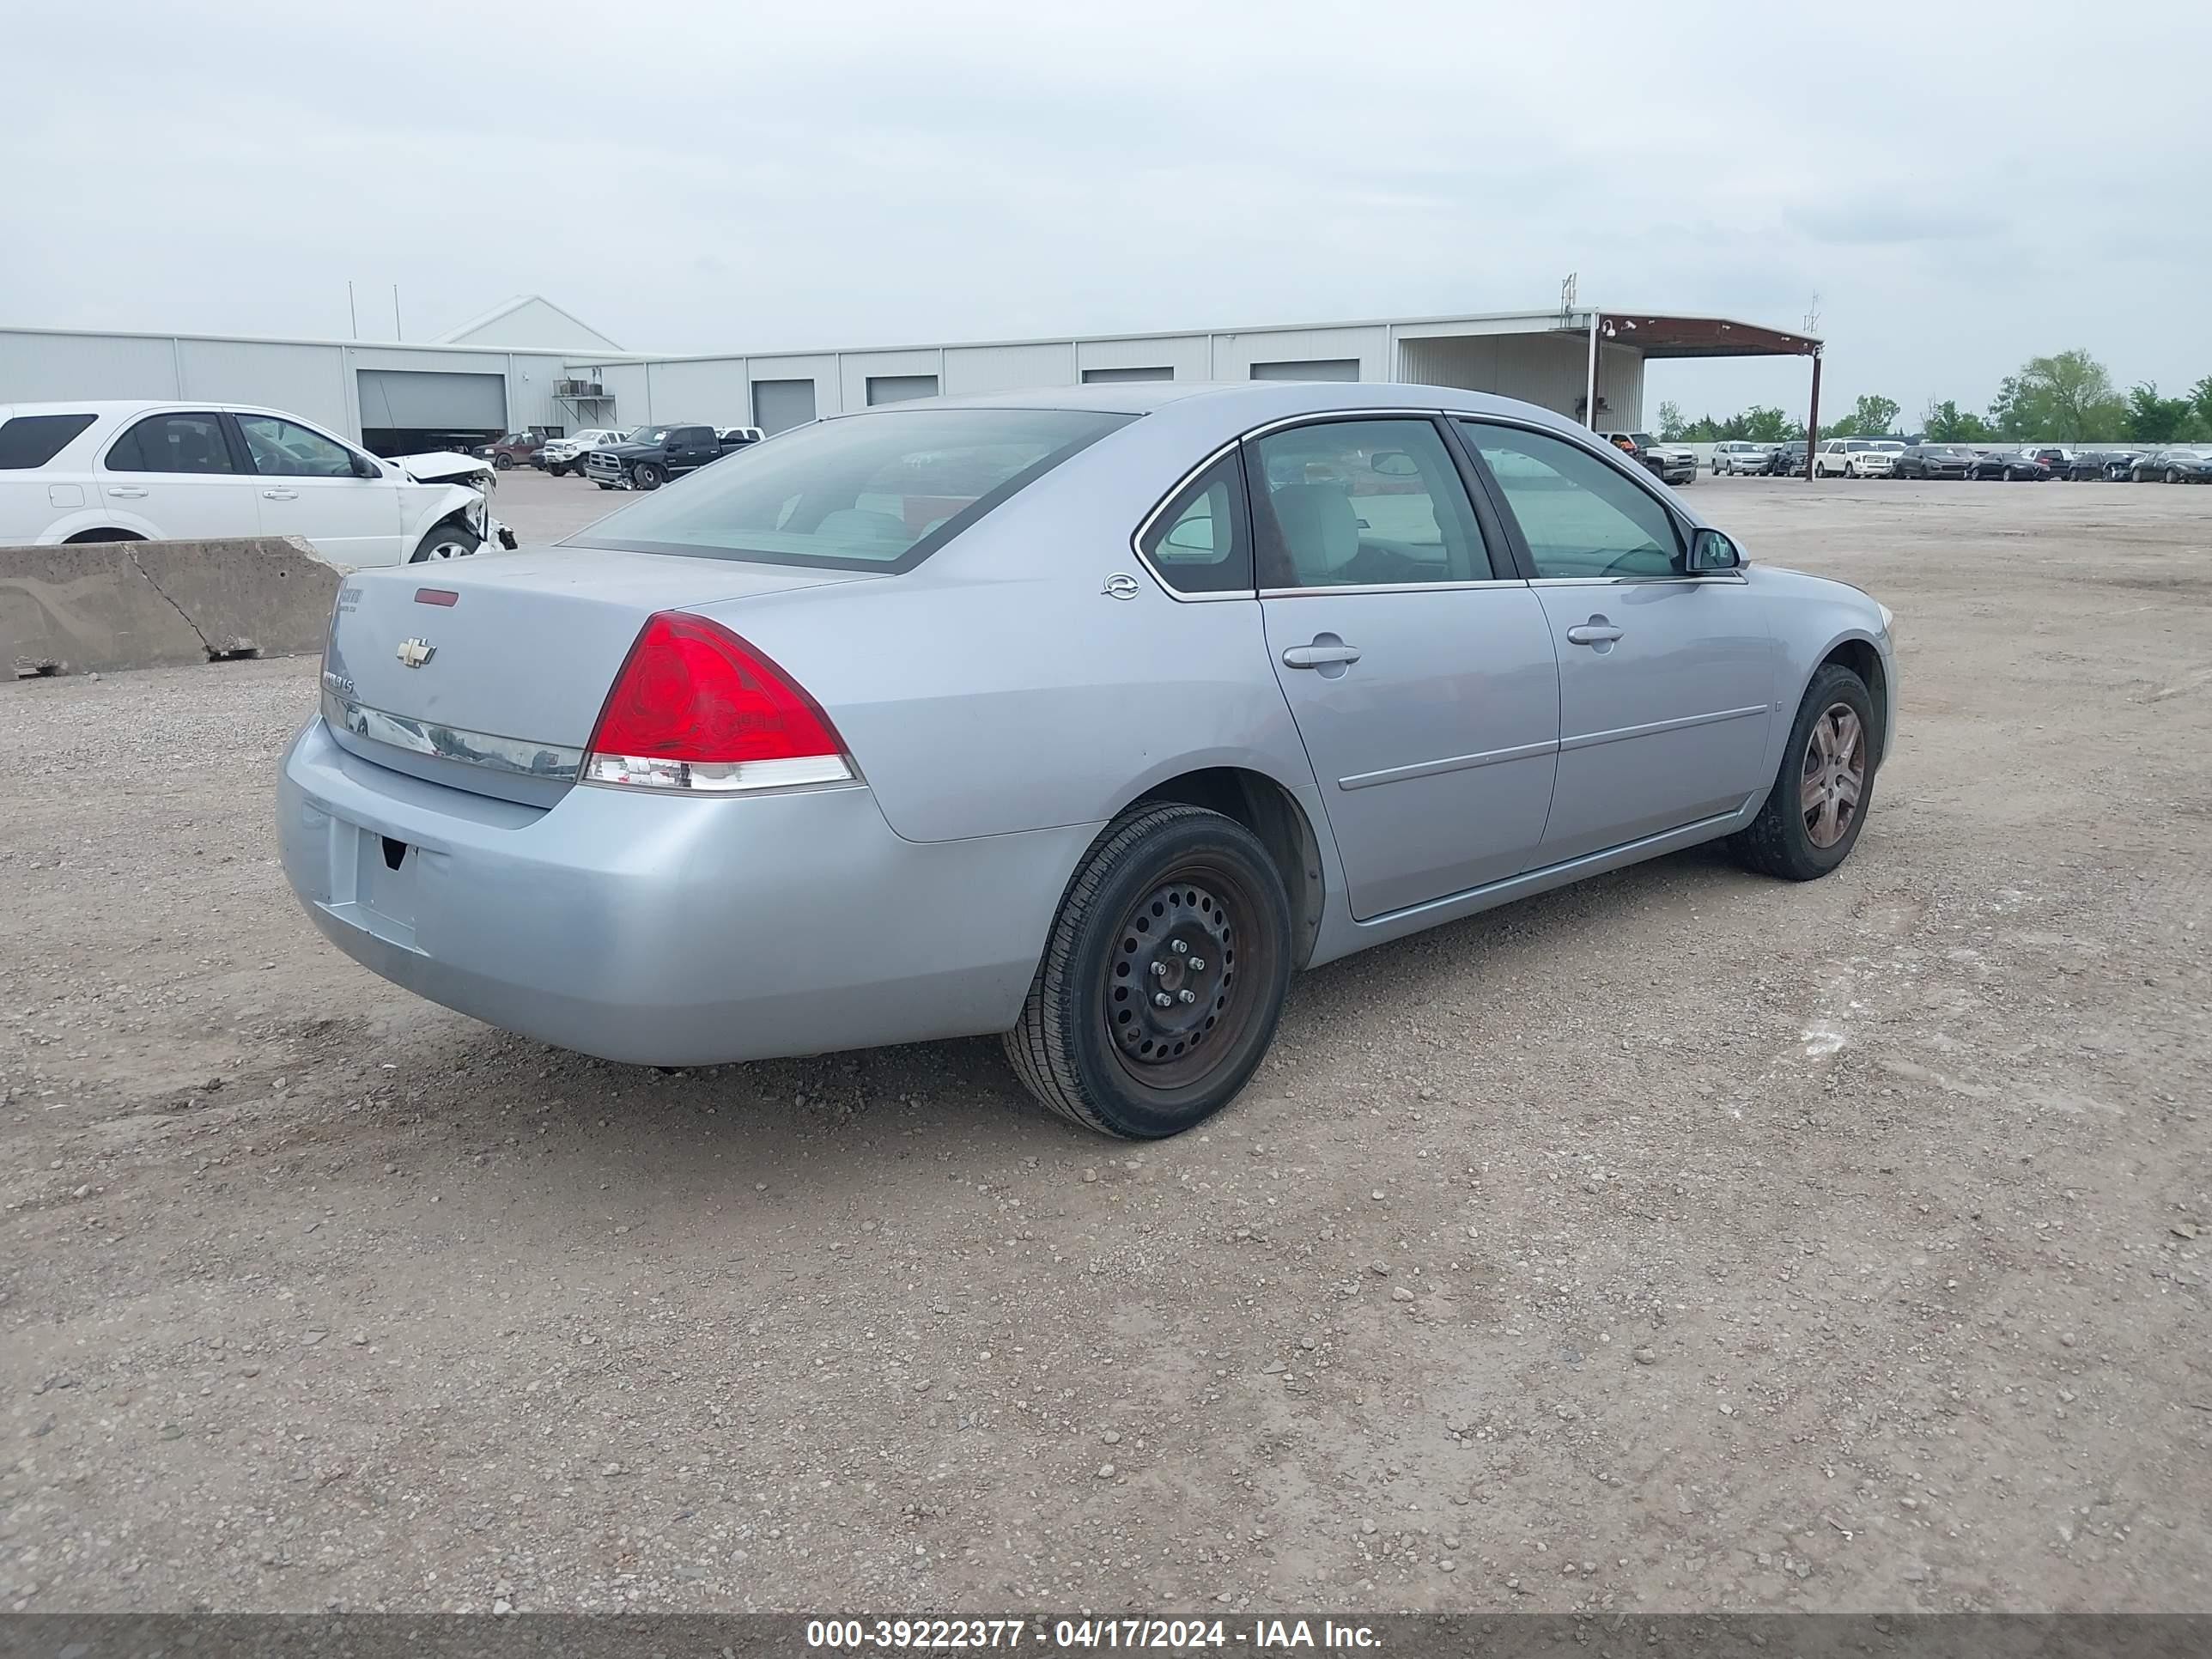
<point x="652" y="455"/>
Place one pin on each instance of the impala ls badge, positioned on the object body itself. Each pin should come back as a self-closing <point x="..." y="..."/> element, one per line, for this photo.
<point x="1120" y="585"/>
<point x="416" y="652"/>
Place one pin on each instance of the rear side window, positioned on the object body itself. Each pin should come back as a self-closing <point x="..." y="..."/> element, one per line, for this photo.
<point x="31" y="440"/>
<point x="1201" y="541"/>
<point x="172" y="443"/>
<point x="866" y="492"/>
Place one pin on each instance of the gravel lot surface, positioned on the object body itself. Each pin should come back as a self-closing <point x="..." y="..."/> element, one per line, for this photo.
<point x="1683" y="1239"/>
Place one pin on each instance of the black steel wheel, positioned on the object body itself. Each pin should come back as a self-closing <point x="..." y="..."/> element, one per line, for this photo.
<point x="646" y="475"/>
<point x="1164" y="978"/>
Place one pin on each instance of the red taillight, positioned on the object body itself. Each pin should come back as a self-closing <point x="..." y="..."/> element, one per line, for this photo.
<point x="696" y="707"/>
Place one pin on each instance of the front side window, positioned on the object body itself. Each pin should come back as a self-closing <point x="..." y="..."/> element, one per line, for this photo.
<point x="285" y="449"/>
<point x="172" y="443"/>
<point x="1362" y="503"/>
<point x="864" y="492"/>
<point x="1581" y="516"/>
<point x="30" y="440"/>
<point x="1202" y="542"/>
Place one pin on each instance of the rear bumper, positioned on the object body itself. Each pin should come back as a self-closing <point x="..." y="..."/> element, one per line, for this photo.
<point x="670" y="931"/>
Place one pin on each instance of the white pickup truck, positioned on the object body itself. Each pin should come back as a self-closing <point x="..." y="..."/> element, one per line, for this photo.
<point x="562" y="455"/>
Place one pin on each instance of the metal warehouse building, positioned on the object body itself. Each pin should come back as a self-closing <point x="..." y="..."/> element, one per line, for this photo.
<point x="531" y="364"/>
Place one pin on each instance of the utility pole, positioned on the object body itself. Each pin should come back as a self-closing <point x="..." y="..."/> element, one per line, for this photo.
<point x="398" y="332"/>
<point x="353" y="316"/>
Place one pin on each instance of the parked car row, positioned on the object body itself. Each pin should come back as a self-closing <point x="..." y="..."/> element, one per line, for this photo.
<point x="138" y="470"/>
<point x="1893" y="457"/>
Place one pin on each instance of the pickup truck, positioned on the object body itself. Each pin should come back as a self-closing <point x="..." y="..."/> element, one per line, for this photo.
<point x="1667" y="462"/>
<point x="649" y="457"/>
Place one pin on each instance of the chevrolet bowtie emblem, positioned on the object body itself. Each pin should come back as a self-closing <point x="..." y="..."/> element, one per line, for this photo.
<point x="416" y="652"/>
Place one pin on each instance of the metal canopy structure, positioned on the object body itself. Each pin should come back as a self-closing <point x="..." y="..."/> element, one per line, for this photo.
<point x="1702" y="336"/>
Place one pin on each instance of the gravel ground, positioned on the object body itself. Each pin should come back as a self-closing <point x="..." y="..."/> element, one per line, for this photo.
<point x="1680" y="1241"/>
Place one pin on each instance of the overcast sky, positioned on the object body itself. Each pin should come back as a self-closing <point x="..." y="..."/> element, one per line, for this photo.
<point x="1961" y="194"/>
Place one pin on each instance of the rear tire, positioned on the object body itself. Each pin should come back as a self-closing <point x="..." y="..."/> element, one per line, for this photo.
<point x="1785" y="839"/>
<point x="1172" y="901"/>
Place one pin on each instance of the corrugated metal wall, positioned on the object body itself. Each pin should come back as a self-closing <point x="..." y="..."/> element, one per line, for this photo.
<point x="311" y="379"/>
<point x="1549" y="370"/>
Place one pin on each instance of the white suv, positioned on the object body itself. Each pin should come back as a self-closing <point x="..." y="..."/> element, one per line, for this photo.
<point x="1856" y="458"/>
<point x="104" y="472"/>
<point x="1740" y="455"/>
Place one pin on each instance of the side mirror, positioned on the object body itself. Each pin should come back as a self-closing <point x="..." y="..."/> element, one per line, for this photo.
<point x="1710" y="551"/>
<point x="365" y="468"/>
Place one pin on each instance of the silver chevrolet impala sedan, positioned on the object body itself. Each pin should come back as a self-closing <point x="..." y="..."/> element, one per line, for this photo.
<point x="1085" y="716"/>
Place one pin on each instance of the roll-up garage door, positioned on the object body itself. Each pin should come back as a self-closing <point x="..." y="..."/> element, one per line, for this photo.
<point x="1318" y="369"/>
<point x="900" y="388"/>
<point x="779" y="405"/>
<point x="412" y="398"/>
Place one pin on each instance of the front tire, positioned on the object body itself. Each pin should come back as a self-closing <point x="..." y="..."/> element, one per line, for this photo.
<point x="447" y="541"/>
<point x="1164" y="977"/>
<point x="646" y="475"/>
<point x="2174" y="475"/>
<point x="502" y="463"/>
<point x="1813" y="814"/>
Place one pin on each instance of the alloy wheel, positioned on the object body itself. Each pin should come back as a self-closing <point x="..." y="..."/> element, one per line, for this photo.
<point x="1832" y="779"/>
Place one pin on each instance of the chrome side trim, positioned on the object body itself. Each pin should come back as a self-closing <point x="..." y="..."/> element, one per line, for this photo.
<point x="1456" y="763"/>
<point x="1719" y="578"/>
<point x="1592" y="739"/>
<point x="554" y="762"/>
<point x="1389" y="587"/>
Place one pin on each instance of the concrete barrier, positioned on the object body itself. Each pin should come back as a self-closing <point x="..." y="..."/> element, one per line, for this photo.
<point x="94" y="606"/>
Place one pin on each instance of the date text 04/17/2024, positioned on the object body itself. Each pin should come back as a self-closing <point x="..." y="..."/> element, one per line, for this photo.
<point x="1262" y="1635"/>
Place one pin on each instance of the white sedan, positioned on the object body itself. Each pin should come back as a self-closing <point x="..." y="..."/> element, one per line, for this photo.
<point x="96" y="470"/>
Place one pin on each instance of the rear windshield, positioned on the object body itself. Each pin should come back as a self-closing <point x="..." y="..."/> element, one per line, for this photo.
<point x="31" y="440"/>
<point x="868" y="492"/>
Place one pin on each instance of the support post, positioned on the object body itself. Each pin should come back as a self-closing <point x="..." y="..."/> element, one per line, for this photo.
<point x="1813" y="417"/>
<point x="1590" y="392"/>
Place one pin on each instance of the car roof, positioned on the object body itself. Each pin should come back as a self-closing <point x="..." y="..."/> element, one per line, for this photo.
<point x="1250" y="402"/>
<point x="123" y="406"/>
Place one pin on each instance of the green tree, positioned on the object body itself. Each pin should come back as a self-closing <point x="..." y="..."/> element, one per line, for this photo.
<point x="1702" y="430"/>
<point x="1947" y="423"/>
<point x="2151" y="419"/>
<point x="1874" y="416"/>
<point x="1672" y="427"/>
<point x="1763" y="425"/>
<point x="2201" y="396"/>
<point x="2069" y="397"/>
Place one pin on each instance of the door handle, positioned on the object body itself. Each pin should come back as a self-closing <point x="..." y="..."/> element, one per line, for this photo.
<point x="1592" y="633"/>
<point x="280" y="494"/>
<point x="129" y="492"/>
<point x="1320" y="656"/>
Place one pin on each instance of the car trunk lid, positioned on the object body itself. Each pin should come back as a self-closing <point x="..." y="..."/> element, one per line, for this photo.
<point x="489" y="674"/>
